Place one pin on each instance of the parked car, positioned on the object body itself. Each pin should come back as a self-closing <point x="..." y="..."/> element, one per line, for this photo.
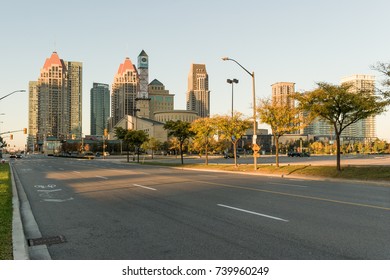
<point x="230" y="155"/>
<point x="298" y="154"/>
<point x="88" y="155"/>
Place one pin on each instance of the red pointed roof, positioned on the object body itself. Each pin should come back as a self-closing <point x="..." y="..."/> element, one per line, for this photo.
<point x="53" y="60"/>
<point x="125" y="66"/>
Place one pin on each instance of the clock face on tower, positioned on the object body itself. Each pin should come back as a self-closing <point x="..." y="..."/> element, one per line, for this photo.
<point x="143" y="62"/>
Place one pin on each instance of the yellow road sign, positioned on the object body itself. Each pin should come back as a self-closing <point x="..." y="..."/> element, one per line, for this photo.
<point x="255" y="148"/>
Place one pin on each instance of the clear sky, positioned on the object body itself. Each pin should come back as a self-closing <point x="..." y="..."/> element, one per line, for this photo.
<point x="302" y="41"/>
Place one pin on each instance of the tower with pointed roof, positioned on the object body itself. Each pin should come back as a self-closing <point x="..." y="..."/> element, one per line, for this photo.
<point x="124" y="92"/>
<point x="143" y="100"/>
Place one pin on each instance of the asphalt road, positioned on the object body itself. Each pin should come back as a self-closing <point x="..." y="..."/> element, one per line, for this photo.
<point x="113" y="210"/>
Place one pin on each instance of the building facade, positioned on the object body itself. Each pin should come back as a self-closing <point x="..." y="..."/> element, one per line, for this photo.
<point x="100" y="108"/>
<point x="198" y="94"/>
<point x="124" y="92"/>
<point x="32" y="115"/>
<point x="364" y="129"/>
<point x="160" y="98"/>
<point x="282" y="93"/>
<point x="55" y="101"/>
<point x="175" y="115"/>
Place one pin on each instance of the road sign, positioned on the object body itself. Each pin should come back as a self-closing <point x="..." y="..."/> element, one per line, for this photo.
<point x="255" y="148"/>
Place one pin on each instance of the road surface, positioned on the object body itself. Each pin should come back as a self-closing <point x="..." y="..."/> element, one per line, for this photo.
<point x="114" y="210"/>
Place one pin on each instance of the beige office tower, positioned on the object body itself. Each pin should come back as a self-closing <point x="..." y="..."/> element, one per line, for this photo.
<point x="364" y="129"/>
<point x="32" y="115"/>
<point x="55" y="100"/>
<point x="282" y="93"/>
<point x="198" y="94"/>
<point x="124" y="92"/>
<point x="160" y="98"/>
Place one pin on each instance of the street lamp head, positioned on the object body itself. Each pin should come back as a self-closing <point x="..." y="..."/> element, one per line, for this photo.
<point x="225" y="58"/>
<point x="229" y="81"/>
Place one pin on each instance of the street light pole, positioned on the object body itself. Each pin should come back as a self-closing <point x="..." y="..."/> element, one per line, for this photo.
<point x="232" y="81"/>
<point x="254" y="106"/>
<point x="21" y="90"/>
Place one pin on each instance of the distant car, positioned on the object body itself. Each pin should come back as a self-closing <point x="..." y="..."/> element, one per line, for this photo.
<point x="230" y="155"/>
<point x="18" y="156"/>
<point x="12" y="156"/>
<point x="298" y="154"/>
<point x="106" y="154"/>
<point x="88" y="155"/>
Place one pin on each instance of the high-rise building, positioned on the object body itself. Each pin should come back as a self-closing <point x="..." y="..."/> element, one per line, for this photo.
<point x="32" y="114"/>
<point x="364" y="129"/>
<point x="282" y="93"/>
<point x="74" y="90"/>
<point x="198" y="94"/>
<point x="124" y="92"/>
<point x="100" y="108"/>
<point x="55" y="100"/>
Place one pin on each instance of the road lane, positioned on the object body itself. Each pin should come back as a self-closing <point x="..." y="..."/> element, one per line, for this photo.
<point x="114" y="218"/>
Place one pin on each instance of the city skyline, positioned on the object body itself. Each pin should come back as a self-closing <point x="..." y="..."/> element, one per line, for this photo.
<point x="279" y="41"/>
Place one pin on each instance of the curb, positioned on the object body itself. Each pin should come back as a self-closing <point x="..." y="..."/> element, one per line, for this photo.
<point x="25" y="225"/>
<point x="19" y="242"/>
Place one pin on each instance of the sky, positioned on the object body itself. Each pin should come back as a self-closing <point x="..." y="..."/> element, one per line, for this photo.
<point x="301" y="41"/>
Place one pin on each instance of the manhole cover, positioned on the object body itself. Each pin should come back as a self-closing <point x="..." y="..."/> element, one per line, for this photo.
<point x="47" y="240"/>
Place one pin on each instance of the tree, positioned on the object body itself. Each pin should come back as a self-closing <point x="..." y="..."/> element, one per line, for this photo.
<point x="131" y="138"/>
<point x="341" y="106"/>
<point x="136" y="138"/>
<point x="232" y="128"/>
<point x="281" y="118"/>
<point x="120" y="133"/>
<point x="2" y="142"/>
<point x="384" y="68"/>
<point x="153" y="144"/>
<point x="205" y="130"/>
<point x="180" y="130"/>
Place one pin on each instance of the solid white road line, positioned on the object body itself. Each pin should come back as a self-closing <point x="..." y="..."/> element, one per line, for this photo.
<point x="144" y="187"/>
<point x="286" y="184"/>
<point x="254" y="213"/>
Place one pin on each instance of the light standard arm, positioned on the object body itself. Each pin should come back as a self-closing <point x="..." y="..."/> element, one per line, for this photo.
<point x="254" y="106"/>
<point x="21" y="90"/>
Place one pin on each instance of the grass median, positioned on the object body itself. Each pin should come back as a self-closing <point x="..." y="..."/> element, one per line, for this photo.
<point x="353" y="172"/>
<point x="5" y="213"/>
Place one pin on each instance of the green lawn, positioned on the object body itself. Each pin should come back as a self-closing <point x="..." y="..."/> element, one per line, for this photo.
<point x="5" y="213"/>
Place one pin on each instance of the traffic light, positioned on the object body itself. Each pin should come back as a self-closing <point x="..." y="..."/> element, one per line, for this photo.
<point x="11" y="137"/>
<point x="24" y="130"/>
<point x="105" y="132"/>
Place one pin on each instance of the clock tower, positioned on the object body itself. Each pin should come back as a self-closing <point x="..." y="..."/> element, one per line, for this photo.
<point x="143" y="96"/>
